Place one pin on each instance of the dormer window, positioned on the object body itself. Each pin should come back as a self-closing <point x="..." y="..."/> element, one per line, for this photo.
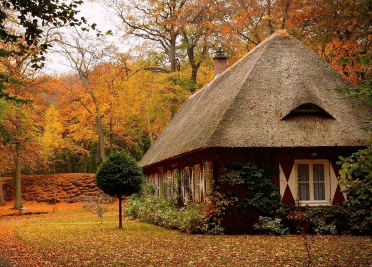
<point x="307" y="110"/>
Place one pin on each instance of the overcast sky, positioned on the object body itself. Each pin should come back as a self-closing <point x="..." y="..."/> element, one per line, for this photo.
<point x="94" y="13"/>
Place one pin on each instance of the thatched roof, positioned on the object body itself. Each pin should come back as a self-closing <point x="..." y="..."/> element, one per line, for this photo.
<point x="247" y="105"/>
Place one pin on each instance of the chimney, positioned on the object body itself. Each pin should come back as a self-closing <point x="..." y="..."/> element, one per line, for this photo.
<point x="220" y="61"/>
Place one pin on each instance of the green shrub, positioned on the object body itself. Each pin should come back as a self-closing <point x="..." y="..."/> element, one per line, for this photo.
<point x="274" y="225"/>
<point x="159" y="211"/>
<point x="337" y="219"/>
<point x="356" y="176"/>
<point x="262" y="193"/>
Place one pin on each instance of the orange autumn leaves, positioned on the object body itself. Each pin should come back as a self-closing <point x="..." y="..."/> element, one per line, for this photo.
<point x="133" y="105"/>
<point x="120" y="105"/>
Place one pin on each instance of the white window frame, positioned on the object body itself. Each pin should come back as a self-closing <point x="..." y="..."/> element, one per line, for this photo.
<point x="192" y="183"/>
<point x="157" y="184"/>
<point x="203" y="185"/>
<point x="184" y="191"/>
<point x="197" y="178"/>
<point x="169" y="183"/>
<point x="327" y="178"/>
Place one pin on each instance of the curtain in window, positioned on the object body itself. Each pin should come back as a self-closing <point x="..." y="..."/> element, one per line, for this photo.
<point x="303" y="182"/>
<point x="319" y="182"/>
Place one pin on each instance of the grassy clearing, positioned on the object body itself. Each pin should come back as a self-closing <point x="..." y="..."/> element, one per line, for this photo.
<point x="74" y="240"/>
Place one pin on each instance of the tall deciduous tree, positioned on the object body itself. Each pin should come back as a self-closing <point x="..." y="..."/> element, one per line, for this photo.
<point x="20" y="123"/>
<point x="4" y="137"/>
<point x="83" y="53"/>
<point x="53" y="142"/>
<point x="154" y="20"/>
<point x="199" y="28"/>
<point x="177" y="28"/>
<point x="24" y="24"/>
<point x="332" y="29"/>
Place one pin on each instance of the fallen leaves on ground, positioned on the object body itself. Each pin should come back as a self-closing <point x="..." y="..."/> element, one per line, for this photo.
<point x="79" y="239"/>
<point x="34" y="206"/>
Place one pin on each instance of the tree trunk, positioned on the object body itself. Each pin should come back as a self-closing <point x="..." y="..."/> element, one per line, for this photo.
<point x="194" y="73"/>
<point x="101" y="136"/>
<point x="12" y="183"/>
<point x="120" y="213"/>
<point x="286" y="10"/>
<point x="101" y="139"/>
<point x="54" y="164"/>
<point x="194" y="67"/>
<point x="151" y="138"/>
<point x="18" y="193"/>
<point x="69" y="164"/>
<point x="2" y="200"/>
<point x="84" y="168"/>
<point x="270" y="19"/>
<point x="172" y="54"/>
<point x="111" y="137"/>
<point x="97" y="156"/>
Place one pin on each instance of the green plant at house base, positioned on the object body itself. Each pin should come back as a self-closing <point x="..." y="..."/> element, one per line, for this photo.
<point x="147" y="190"/>
<point x="337" y="219"/>
<point x="157" y="210"/>
<point x="118" y="176"/>
<point x="274" y="225"/>
<point x="262" y="194"/>
<point x="168" y="189"/>
<point x="177" y="195"/>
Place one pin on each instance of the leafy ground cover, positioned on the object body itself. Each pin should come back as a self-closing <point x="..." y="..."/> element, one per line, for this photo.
<point x="77" y="238"/>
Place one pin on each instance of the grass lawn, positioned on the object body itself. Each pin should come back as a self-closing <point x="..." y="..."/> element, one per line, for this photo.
<point x="77" y="238"/>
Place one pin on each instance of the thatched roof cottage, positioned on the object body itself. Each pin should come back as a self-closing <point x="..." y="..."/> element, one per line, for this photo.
<point x="273" y="104"/>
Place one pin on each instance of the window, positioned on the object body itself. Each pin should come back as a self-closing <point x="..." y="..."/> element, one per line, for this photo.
<point x="312" y="181"/>
<point x="199" y="184"/>
<point x="152" y="181"/>
<point x="193" y="185"/>
<point x="308" y="110"/>
<point x="185" y="185"/>
<point x="202" y="183"/>
<point x="168" y="185"/>
<point x="157" y="184"/>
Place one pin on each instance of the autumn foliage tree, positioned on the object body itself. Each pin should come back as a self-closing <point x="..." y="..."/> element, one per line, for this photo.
<point x="25" y="25"/>
<point x="153" y="21"/>
<point x="119" y="176"/>
<point x="114" y="101"/>
<point x="21" y="121"/>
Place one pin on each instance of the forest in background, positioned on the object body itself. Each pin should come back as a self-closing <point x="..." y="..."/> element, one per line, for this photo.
<point x="114" y="101"/>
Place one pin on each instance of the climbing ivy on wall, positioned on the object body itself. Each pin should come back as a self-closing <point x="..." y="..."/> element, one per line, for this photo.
<point x="262" y="193"/>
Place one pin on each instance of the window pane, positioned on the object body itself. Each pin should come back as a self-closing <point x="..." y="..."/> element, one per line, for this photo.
<point x="303" y="172"/>
<point x="304" y="191"/>
<point x="319" y="191"/>
<point x="318" y="170"/>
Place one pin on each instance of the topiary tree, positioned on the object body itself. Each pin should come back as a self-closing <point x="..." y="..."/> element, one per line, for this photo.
<point x="119" y="176"/>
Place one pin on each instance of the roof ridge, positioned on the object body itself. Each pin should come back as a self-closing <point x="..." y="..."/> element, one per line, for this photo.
<point x="244" y="106"/>
<point x="264" y="44"/>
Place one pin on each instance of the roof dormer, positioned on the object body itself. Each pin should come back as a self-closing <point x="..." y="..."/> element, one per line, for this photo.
<point x="308" y="110"/>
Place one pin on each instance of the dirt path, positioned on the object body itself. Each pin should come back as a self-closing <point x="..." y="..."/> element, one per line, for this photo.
<point x="13" y="253"/>
<point x="4" y="262"/>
